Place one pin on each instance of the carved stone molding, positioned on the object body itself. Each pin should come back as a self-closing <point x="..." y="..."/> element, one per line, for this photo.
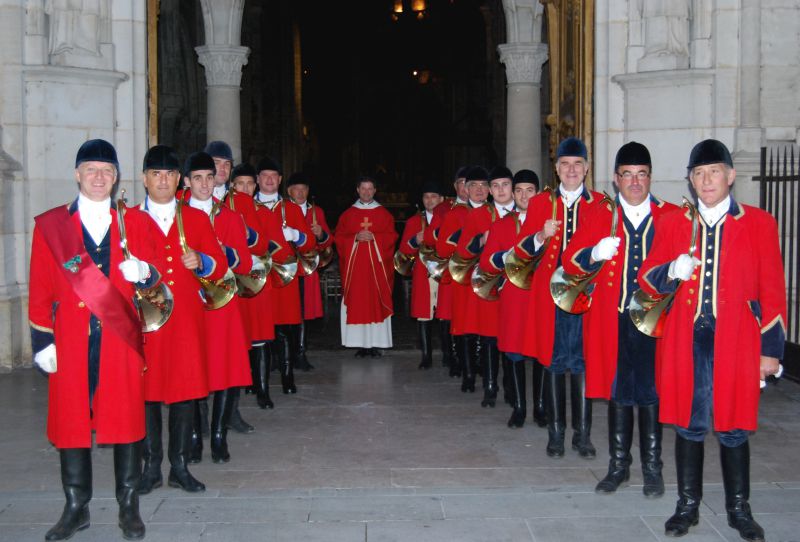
<point x="523" y="61"/>
<point x="223" y="64"/>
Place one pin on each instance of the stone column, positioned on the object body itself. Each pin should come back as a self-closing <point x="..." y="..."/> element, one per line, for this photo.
<point x="523" y="63"/>
<point x="223" y="57"/>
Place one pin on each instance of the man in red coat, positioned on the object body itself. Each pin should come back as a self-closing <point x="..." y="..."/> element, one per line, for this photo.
<point x="286" y="310"/>
<point x="424" y="289"/>
<point x="480" y="317"/>
<point x="555" y="336"/>
<point x="225" y="338"/>
<point x="620" y="359"/>
<point x="80" y="280"/>
<point x="222" y="154"/>
<point x="298" y="187"/>
<point x="365" y="239"/>
<point x="511" y="327"/>
<point x="176" y="354"/>
<point x="723" y="334"/>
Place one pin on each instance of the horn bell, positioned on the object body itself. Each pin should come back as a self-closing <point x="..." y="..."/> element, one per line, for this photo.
<point x="218" y="293"/>
<point x="284" y="273"/>
<point x="309" y="261"/>
<point x="154" y="306"/>
<point x="432" y="262"/>
<point x="485" y="284"/>
<point x="403" y="263"/>
<point x="461" y="268"/>
<point x="649" y="313"/>
<point x="572" y="293"/>
<point x="250" y="284"/>
<point x="520" y="271"/>
<point x="325" y="257"/>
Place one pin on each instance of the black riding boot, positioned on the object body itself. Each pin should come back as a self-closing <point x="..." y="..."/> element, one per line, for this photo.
<point x="302" y="360"/>
<point x="447" y="343"/>
<point x="736" y="479"/>
<point x="236" y="422"/>
<point x="508" y="385"/>
<point x="220" y="414"/>
<point x="650" y="448"/>
<point x="180" y="439"/>
<point x="490" y="361"/>
<point x="283" y="347"/>
<point x="517" y="375"/>
<point x="425" y="337"/>
<point x="689" y="464"/>
<point x="260" y="362"/>
<point x="76" y="479"/>
<point x="152" y="449"/>
<point x="539" y="410"/>
<point x="466" y="344"/>
<point x="127" y="473"/>
<point x="581" y="416"/>
<point x="620" y="435"/>
<point x="196" y="451"/>
<point x="556" y="404"/>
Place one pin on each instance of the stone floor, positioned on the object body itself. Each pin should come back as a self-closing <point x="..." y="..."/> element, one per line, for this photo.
<point x="376" y="450"/>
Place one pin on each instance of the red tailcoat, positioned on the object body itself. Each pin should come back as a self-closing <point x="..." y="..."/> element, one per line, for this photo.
<point x="420" y="288"/>
<point x="446" y="244"/>
<point x="286" y="300"/>
<point x="366" y="266"/>
<point x="511" y="305"/>
<point x="177" y="364"/>
<point x="444" y="298"/>
<point x="479" y="315"/>
<point x="227" y="342"/>
<point x="750" y="274"/>
<point x="541" y="316"/>
<point x="312" y="292"/>
<point x="600" y="322"/>
<point x="53" y="307"/>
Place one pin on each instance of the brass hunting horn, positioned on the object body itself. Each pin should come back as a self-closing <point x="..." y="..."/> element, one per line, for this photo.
<point x="571" y="292"/>
<point x="648" y="312"/>
<point x="404" y="263"/>
<point x="216" y="293"/>
<point x="155" y="304"/>
<point x="520" y="270"/>
<point x="326" y="256"/>
<point x="308" y="261"/>
<point x="284" y="272"/>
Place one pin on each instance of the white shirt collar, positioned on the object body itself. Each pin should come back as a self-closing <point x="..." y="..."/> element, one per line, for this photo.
<point x="428" y="216"/>
<point x="503" y="210"/>
<point x="570" y="197"/>
<point x="304" y="207"/>
<point x="461" y="201"/>
<point x="162" y="213"/>
<point x="219" y="191"/>
<point x="267" y="198"/>
<point x="95" y="216"/>
<point x="204" y="206"/>
<point x="361" y="205"/>
<point x="714" y="214"/>
<point x="522" y="217"/>
<point x="89" y="207"/>
<point x="475" y="205"/>
<point x="636" y="214"/>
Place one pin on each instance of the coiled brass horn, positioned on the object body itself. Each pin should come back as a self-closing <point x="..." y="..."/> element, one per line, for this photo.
<point x="309" y="261"/>
<point x="284" y="272"/>
<point x="326" y="255"/>
<point x="461" y="268"/>
<point x="648" y="312"/>
<point x="432" y="262"/>
<point x="403" y="263"/>
<point x="216" y="293"/>
<point x="155" y="304"/>
<point x="520" y="270"/>
<point x="572" y="293"/>
<point x="250" y="284"/>
<point x="486" y="285"/>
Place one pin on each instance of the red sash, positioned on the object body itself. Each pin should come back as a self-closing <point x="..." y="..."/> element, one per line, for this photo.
<point x="89" y="283"/>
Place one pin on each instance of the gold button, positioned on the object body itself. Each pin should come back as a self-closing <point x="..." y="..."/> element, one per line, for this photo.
<point x="610" y="284"/>
<point x="688" y="301"/>
<point x="691" y="290"/>
<point x="171" y="282"/>
<point x="556" y="237"/>
<point x="636" y="281"/>
<point x="552" y="256"/>
<point x="169" y="258"/>
<point x="81" y="304"/>
<point x="610" y="273"/>
<point x="169" y="270"/>
<point x="168" y="247"/>
<point x="549" y="266"/>
<point x="708" y="273"/>
<point x="613" y="262"/>
<point x="97" y="249"/>
<point x="635" y="267"/>
<point x="694" y="277"/>
<point x="99" y="266"/>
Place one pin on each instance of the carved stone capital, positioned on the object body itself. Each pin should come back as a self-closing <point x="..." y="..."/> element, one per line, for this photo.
<point x="523" y="61"/>
<point x="223" y="64"/>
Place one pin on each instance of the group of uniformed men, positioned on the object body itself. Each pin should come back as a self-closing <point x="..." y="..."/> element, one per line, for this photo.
<point x="723" y="334"/>
<point x="204" y="219"/>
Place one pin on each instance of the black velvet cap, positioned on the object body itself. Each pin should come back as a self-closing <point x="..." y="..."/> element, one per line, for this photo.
<point x="500" y="172"/>
<point x="526" y="176"/>
<point x="461" y="173"/>
<point x="477" y="173"/>
<point x="198" y="161"/>
<point x="710" y="151"/>
<point x="298" y="178"/>
<point x="97" y="150"/>
<point x="219" y="149"/>
<point x="268" y="164"/>
<point x="244" y="170"/>
<point x="431" y="186"/>
<point x="161" y="157"/>
<point x="572" y="146"/>
<point x="632" y="154"/>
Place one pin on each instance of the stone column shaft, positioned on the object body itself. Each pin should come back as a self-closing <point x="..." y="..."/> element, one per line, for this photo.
<point x="523" y="63"/>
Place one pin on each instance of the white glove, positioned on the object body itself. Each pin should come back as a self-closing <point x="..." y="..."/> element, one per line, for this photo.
<point x="291" y="234"/>
<point x="776" y="375"/>
<point x="134" y="270"/>
<point x="682" y="267"/>
<point x="46" y="358"/>
<point x="605" y="249"/>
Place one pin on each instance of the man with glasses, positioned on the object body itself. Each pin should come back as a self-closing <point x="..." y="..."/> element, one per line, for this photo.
<point x="620" y="359"/>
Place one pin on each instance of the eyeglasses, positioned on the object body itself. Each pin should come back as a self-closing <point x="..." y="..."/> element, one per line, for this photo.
<point x="640" y="175"/>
